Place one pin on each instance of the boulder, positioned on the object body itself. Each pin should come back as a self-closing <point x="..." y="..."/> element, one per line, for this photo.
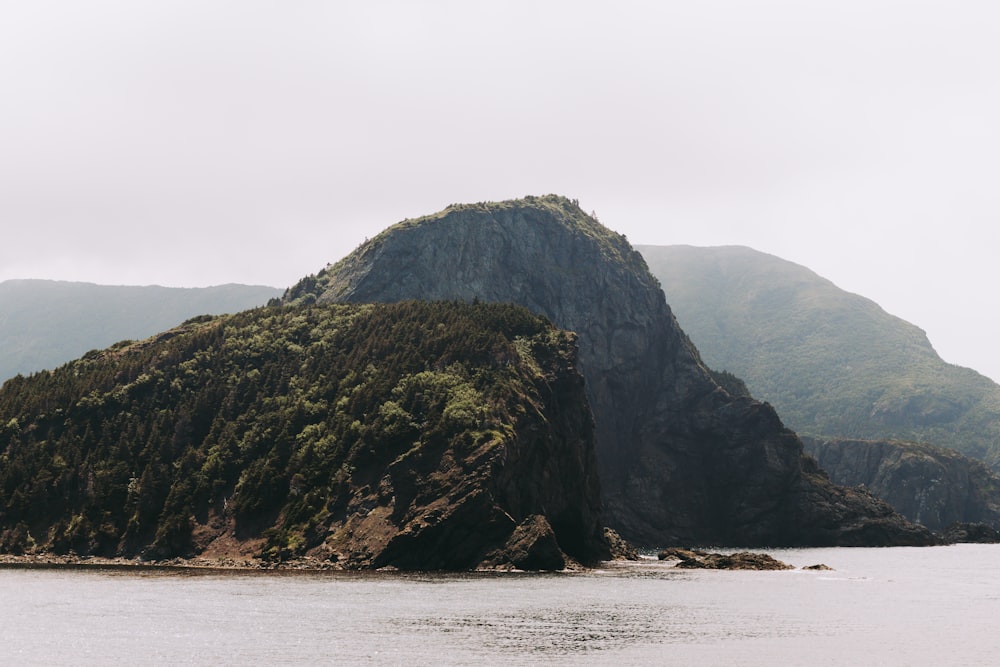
<point x="532" y="546"/>
<point x="621" y="549"/>
<point x="972" y="532"/>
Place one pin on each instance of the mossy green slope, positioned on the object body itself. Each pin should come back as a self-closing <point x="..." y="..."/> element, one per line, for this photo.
<point x="833" y="364"/>
<point x="416" y="435"/>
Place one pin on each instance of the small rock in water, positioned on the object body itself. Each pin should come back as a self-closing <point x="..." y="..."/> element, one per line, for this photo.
<point x="743" y="560"/>
<point x="532" y="546"/>
<point x="621" y="549"/>
<point x="972" y="532"/>
<point x="818" y="566"/>
<point x="675" y="553"/>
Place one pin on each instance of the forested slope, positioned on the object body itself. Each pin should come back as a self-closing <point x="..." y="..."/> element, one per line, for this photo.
<point x="418" y="435"/>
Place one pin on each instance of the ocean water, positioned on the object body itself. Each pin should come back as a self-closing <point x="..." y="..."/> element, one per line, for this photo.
<point x="897" y="606"/>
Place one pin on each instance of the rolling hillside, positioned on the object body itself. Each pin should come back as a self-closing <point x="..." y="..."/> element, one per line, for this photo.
<point x="834" y="364"/>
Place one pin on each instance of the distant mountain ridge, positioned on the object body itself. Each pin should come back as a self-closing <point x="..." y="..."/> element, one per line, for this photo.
<point x="682" y="460"/>
<point x="45" y="323"/>
<point x="834" y="364"/>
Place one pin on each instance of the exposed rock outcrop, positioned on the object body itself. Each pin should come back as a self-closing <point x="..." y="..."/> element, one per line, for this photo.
<point x="682" y="461"/>
<point x="933" y="486"/>
<point x="971" y="532"/>
<point x="532" y="546"/>
<point x="690" y="559"/>
<point x="621" y="549"/>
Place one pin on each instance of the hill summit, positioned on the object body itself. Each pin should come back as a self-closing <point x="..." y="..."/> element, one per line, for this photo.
<point x="681" y="460"/>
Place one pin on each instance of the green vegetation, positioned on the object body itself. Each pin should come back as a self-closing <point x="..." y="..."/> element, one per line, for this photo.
<point x="832" y="363"/>
<point x="267" y="419"/>
<point x="731" y="383"/>
<point x="45" y="323"/>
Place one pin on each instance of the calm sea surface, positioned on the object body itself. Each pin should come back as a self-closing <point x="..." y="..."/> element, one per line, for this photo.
<point x="902" y="606"/>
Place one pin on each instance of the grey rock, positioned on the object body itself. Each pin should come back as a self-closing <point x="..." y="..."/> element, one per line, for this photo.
<point x="690" y="559"/>
<point x="972" y="532"/>
<point x="532" y="546"/>
<point x="933" y="486"/>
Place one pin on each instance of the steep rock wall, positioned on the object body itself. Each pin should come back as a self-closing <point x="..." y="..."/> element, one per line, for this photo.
<point x="933" y="486"/>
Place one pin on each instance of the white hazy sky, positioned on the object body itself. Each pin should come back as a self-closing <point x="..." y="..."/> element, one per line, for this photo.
<point x="191" y="143"/>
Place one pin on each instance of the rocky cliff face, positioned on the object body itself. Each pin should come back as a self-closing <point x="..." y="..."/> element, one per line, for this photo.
<point x="681" y="460"/>
<point x="526" y="499"/>
<point x="930" y="485"/>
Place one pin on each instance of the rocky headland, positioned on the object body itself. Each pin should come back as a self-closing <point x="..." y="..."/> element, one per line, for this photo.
<point x="447" y="430"/>
<point x="681" y="460"/>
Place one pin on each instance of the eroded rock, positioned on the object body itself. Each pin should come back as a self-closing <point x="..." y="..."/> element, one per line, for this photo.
<point x="980" y="533"/>
<point x="690" y="559"/>
<point x="532" y="546"/>
<point x="621" y="549"/>
<point x="933" y="486"/>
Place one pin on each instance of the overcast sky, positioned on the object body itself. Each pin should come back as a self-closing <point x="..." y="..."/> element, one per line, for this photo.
<point x="192" y="143"/>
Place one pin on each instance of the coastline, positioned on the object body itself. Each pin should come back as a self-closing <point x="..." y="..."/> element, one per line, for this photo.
<point x="239" y="563"/>
<point x="234" y="564"/>
<point x="672" y="558"/>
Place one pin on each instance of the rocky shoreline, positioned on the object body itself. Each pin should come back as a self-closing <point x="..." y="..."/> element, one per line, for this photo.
<point x="673" y="557"/>
<point x="239" y="563"/>
<point x="49" y="560"/>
